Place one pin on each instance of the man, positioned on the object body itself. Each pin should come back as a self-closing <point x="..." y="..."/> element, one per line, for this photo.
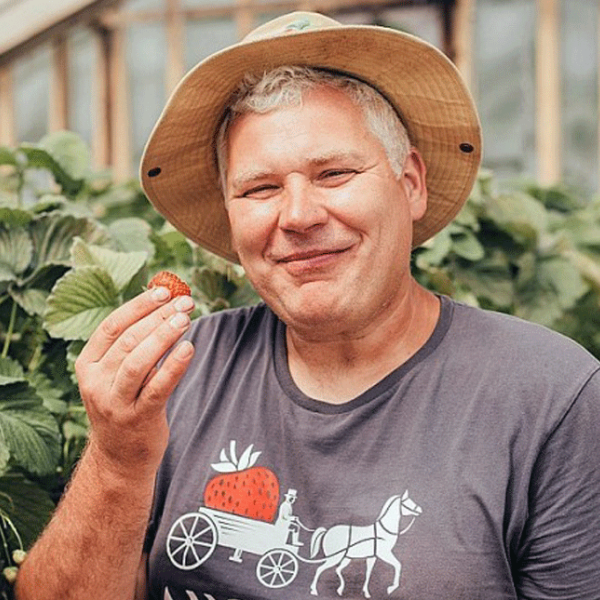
<point x="438" y="451"/>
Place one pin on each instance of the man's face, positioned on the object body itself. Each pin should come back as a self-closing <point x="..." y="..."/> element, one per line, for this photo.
<point x="320" y="222"/>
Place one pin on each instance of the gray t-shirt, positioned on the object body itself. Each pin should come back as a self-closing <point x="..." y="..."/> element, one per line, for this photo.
<point x="470" y="472"/>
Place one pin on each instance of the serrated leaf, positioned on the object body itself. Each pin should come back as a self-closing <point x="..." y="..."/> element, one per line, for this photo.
<point x="78" y="303"/>
<point x="38" y="158"/>
<point x="14" y="217"/>
<point x="16" y="249"/>
<point x="53" y="235"/>
<point x="28" y="506"/>
<point x="132" y="235"/>
<point x="10" y="371"/>
<point x="69" y="151"/>
<point x="31" y="300"/>
<point x="121" y="266"/>
<point x="28" y="430"/>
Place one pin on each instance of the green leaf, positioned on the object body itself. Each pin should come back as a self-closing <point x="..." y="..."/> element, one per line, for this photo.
<point x="518" y="214"/>
<point x="78" y="303"/>
<point x="28" y="506"/>
<point x="121" y="266"/>
<point x="16" y="249"/>
<point x="132" y="235"/>
<point x="31" y="300"/>
<point x="28" y="431"/>
<point x="467" y="246"/>
<point x="14" y="217"/>
<point x="435" y="250"/>
<point x="53" y="235"/>
<point x="8" y="156"/>
<point x="10" y="371"/>
<point x="69" y="151"/>
<point x="39" y="158"/>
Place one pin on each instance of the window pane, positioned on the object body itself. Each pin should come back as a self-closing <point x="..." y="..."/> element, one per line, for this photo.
<point x="82" y="64"/>
<point x="132" y="5"/>
<point x="205" y="37"/>
<point x="579" y="49"/>
<point x="504" y="55"/>
<point x="32" y="95"/>
<point x="146" y="63"/>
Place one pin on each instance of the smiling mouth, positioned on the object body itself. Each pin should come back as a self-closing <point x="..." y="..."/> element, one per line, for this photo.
<point x="298" y="257"/>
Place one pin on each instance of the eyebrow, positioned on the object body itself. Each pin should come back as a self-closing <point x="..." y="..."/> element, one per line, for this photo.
<point x="249" y="176"/>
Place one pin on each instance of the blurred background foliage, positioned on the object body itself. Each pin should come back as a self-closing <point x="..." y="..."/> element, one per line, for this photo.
<point x="74" y="245"/>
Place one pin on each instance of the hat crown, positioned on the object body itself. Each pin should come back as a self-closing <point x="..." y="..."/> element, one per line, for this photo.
<point x="295" y="22"/>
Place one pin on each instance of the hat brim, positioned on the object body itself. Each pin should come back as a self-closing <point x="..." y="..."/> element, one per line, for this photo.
<point x="179" y="172"/>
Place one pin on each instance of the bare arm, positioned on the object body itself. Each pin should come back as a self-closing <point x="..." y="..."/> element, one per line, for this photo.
<point x="93" y="545"/>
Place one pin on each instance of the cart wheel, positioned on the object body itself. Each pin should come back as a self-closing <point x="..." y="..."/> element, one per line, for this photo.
<point x="191" y="540"/>
<point x="277" y="568"/>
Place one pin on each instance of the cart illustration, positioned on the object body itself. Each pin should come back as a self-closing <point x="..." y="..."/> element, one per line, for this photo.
<point x="195" y="535"/>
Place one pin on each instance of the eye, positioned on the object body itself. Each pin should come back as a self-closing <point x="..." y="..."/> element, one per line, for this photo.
<point x="335" y="177"/>
<point x="260" y="191"/>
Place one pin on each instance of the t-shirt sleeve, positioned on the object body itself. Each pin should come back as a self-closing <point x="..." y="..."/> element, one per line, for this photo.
<point x="559" y="555"/>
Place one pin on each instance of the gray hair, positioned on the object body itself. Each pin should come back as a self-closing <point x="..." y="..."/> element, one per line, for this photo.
<point x="286" y="86"/>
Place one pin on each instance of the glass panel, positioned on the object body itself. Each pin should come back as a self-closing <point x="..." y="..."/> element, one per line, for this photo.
<point x="32" y="95"/>
<point x="504" y="59"/>
<point x="205" y="37"/>
<point x="133" y="5"/>
<point x="422" y="21"/>
<point x="146" y="63"/>
<point x="82" y="67"/>
<point x="579" y="50"/>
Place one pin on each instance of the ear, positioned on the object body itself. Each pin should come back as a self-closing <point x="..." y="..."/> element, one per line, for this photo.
<point x="413" y="180"/>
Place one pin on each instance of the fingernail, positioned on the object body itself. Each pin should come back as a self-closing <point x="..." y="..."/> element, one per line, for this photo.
<point x="184" y="350"/>
<point x="160" y="294"/>
<point x="179" y="320"/>
<point x="184" y="303"/>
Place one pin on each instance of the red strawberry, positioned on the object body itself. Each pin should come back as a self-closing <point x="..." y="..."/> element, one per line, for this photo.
<point x="174" y="284"/>
<point x="242" y="488"/>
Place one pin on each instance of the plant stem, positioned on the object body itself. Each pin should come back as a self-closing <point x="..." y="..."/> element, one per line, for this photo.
<point x="11" y="328"/>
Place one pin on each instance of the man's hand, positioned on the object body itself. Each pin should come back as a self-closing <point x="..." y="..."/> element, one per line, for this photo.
<point x="123" y="391"/>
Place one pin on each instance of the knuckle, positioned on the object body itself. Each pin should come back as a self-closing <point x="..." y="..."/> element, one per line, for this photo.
<point x="110" y="328"/>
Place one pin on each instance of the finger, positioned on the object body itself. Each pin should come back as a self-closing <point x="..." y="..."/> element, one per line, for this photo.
<point x="119" y="320"/>
<point x="137" y="365"/>
<point x="161" y="383"/>
<point x="130" y="339"/>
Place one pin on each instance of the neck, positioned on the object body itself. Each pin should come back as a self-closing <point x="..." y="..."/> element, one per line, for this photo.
<point x="338" y="368"/>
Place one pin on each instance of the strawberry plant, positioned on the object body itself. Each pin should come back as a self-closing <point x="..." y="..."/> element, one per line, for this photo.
<point x="73" y="246"/>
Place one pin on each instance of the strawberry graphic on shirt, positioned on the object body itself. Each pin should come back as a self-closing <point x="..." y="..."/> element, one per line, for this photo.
<point x="242" y="488"/>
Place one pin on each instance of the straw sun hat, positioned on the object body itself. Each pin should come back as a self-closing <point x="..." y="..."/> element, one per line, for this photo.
<point x="179" y="172"/>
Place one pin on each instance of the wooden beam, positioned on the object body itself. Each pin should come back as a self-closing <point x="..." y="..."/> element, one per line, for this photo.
<point x="7" y="110"/>
<point x="463" y="27"/>
<point x="101" y="137"/>
<point x="175" y="25"/>
<point x="244" y="17"/>
<point x="548" y="125"/>
<point x="120" y="153"/>
<point x="59" y="85"/>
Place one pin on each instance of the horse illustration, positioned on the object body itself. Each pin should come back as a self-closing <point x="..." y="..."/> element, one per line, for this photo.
<point x="343" y="543"/>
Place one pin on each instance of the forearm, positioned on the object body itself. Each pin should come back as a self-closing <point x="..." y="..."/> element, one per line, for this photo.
<point x="93" y="545"/>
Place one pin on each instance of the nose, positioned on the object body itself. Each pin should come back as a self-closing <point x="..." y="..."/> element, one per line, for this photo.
<point x="302" y="206"/>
